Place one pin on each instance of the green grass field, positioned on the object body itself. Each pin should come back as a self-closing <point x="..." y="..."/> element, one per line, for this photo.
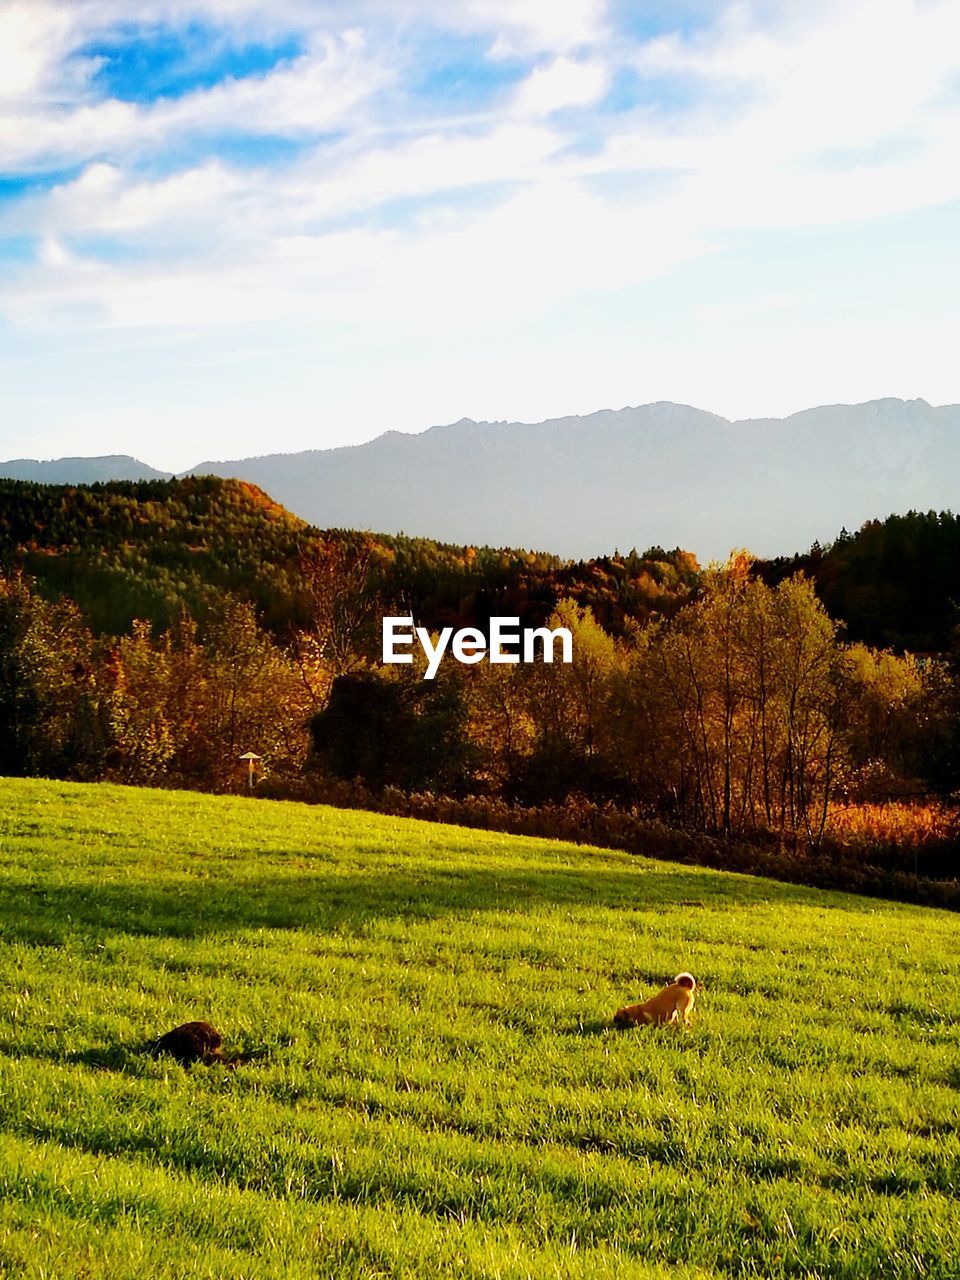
<point x="440" y="1092"/>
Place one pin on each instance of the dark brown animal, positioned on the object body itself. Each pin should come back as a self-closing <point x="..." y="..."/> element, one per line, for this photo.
<point x="191" y="1042"/>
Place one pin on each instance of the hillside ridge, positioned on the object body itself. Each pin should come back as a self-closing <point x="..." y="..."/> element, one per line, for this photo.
<point x="663" y="473"/>
<point x="148" y="549"/>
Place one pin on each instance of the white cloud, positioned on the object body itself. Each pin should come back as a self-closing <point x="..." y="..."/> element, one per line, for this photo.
<point x="34" y="41"/>
<point x="824" y="116"/>
<point x="103" y="200"/>
<point x="332" y="183"/>
<point x="564" y="82"/>
<point x="549" y="241"/>
<point x="311" y="93"/>
<point x="849" y="74"/>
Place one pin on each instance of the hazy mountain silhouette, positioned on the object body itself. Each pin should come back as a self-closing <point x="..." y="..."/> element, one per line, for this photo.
<point x="80" y="470"/>
<point x="663" y="474"/>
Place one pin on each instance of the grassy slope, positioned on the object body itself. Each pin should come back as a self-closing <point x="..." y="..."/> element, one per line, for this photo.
<point x="440" y="1094"/>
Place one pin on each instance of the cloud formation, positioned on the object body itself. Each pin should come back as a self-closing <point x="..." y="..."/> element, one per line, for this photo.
<point x="812" y="116"/>
<point x="181" y="165"/>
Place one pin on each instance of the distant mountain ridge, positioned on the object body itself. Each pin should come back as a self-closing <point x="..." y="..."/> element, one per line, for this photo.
<point x="663" y="473"/>
<point x="116" y="466"/>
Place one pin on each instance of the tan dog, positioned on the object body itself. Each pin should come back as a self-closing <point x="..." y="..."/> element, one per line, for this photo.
<point x="672" y="1004"/>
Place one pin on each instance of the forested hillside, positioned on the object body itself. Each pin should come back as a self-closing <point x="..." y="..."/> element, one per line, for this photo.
<point x="153" y="632"/>
<point x="147" y="550"/>
<point x="895" y="583"/>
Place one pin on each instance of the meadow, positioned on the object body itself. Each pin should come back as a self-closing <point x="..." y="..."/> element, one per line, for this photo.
<point x="434" y="1087"/>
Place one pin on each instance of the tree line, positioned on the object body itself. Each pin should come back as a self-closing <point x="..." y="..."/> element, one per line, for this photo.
<point x="128" y="552"/>
<point x="895" y="583"/>
<point x="744" y="713"/>
<point x="728" y="701"/>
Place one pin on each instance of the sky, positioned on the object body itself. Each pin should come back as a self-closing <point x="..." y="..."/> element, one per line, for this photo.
<point x="231" y="228"/>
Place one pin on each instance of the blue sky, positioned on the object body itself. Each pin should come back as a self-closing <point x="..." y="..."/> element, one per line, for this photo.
<point x="230" y="228"/>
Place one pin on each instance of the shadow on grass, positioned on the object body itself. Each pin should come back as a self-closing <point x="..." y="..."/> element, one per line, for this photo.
<point x="588" y="1027"/>
<point x="177" y="906"/>
<point x="106" y="1057"/>
<point x="134" y="1058"/>
<point x="921" y="1015"/>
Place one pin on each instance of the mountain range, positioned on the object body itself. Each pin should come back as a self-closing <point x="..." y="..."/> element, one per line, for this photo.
<point x="117" y="466"/>
<point x="660" y="474"/>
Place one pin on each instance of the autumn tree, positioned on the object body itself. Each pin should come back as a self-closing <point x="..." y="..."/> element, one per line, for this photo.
<point x="569" y="705"/>
<point x="255" y="699"/>
<point x="886" y="698"/>
<point x="396" y="730"/>
<point x="158" y="707"/>
<point x="737" y="700"/>
<point x="338" y="580"/>
<point x="52" y="715"/>
<point x="502" y="721"/>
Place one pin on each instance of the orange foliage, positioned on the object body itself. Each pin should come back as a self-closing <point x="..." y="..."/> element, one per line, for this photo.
<point x="912" y="826"/>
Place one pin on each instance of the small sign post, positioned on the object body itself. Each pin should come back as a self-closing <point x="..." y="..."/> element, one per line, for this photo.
<point x="252" y="760"/>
